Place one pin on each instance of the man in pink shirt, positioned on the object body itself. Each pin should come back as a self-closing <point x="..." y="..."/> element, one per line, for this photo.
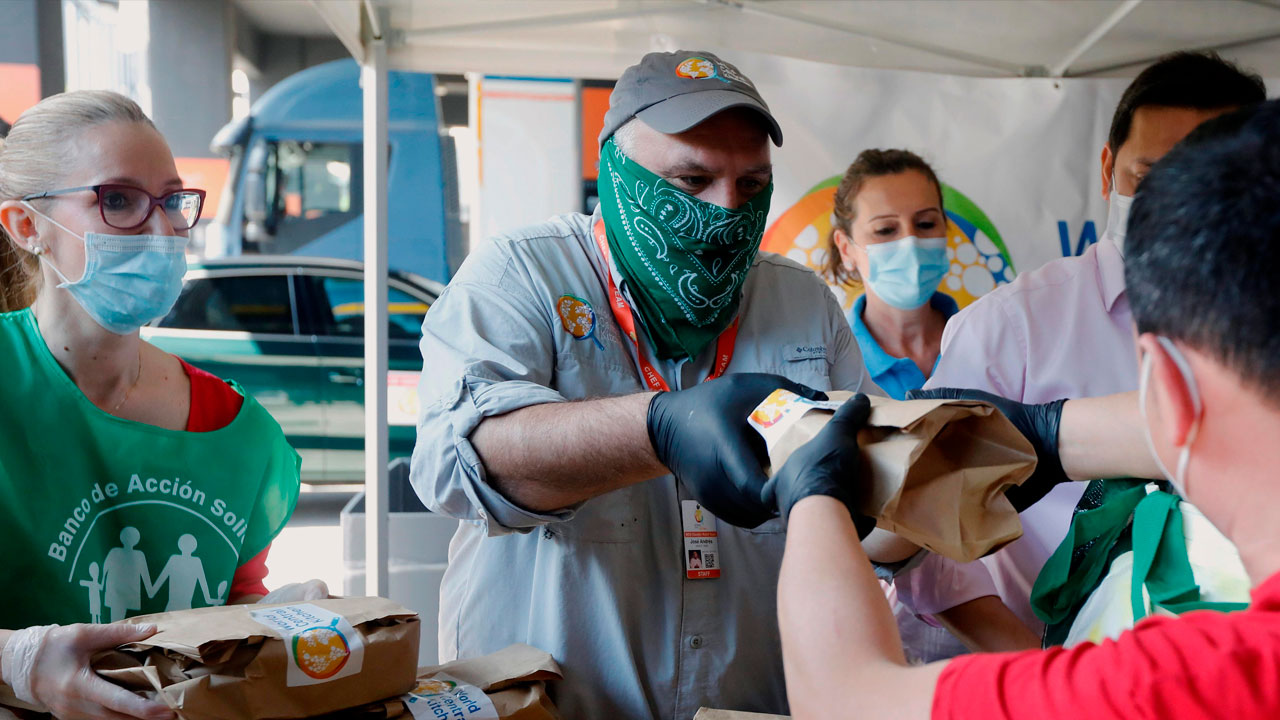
<point x="1200" y="268"/>
<point x="1063" y="331"/>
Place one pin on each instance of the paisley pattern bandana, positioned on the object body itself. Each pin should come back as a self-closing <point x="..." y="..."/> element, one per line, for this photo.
<point x="685" y="260"/>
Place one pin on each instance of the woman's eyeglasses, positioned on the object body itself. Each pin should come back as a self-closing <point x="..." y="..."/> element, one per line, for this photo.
<point x="125" y="207"/>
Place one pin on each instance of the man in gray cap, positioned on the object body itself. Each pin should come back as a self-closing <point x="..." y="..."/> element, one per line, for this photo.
<point x="585" y="394"/>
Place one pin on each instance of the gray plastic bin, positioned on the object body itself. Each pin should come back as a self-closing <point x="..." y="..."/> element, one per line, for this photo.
<point x="419" y="551"/>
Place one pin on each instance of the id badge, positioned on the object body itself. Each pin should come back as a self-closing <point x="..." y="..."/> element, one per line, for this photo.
<point x="701" y="542"/>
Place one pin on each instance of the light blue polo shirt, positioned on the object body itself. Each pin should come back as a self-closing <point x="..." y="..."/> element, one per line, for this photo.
<point x="895" y="375"/>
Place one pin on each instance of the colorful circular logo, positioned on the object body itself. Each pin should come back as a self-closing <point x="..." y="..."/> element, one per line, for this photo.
<point x="771" y="410"/>
<point x="434" y="687"/>
<point x="979" y="258"/>
<point x="696" y="68"/>
<point x="320" y="652"/>
<point x="577" y="318"/>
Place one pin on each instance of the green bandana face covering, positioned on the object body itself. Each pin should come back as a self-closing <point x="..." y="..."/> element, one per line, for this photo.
<point x="684" y="259"/>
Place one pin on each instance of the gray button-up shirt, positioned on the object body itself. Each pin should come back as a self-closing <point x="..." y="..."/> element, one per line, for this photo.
<point x="602" y="586"/>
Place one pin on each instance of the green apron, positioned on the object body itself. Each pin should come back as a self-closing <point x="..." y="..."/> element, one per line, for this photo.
<point x="1116" y="517"/>
<point x="108" y="518"/>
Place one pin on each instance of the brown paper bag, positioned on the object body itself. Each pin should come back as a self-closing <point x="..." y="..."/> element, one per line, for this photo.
<point x="936" y="469"/>
<point x="512" y="681"/>
<point x="286" y="660"/>
<point x="709" y="714"/>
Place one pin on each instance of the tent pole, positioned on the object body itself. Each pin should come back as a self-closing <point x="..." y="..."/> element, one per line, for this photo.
<point x="1094" y="36"/>
<point x="373" y="79"/>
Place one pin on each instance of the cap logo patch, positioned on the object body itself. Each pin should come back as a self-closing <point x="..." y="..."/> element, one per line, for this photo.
<point x="697" y="68"/>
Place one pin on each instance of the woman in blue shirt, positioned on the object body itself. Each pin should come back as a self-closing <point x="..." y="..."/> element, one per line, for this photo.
<point x="890" y="232"/>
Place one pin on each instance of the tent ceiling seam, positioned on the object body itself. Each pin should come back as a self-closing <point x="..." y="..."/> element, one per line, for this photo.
<point x="761" y="8"/>
<point x="1093" y="37"/>
<point x="1146" y="59"/>
<point x="620" y="13"/>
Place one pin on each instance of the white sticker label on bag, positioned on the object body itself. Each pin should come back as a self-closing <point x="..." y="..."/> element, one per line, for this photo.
<point x="782" y="409"/>
<point x="442" y="696"/>
<point x="321" y="646"/>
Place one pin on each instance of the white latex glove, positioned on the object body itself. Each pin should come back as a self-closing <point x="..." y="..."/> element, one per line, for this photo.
<point x="297" y="592"/>
<point x="48" y="666"/>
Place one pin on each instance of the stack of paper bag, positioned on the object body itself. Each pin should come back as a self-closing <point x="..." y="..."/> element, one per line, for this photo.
<point x="934" y="471"/>
<point x="260" y="662"/>
<point x="709" y="714"/>
<point x="510" y="684"/>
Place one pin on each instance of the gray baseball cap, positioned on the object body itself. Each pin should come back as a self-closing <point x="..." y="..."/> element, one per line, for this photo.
<point x="674" y="91"/>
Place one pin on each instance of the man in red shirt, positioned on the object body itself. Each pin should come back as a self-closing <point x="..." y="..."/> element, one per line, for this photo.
<point x="1203" y="253"/>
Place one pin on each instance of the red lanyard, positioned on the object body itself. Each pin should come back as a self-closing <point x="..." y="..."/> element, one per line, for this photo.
<point x="626" y="320"/>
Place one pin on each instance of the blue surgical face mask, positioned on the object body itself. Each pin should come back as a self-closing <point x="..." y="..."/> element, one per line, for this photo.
<point x="906" y="272"/>
<point x="1179" y="477"/>
<point x="128" y="280"/>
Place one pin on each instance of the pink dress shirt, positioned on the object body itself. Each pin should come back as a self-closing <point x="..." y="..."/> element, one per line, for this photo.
<point x="1063" y="330"/>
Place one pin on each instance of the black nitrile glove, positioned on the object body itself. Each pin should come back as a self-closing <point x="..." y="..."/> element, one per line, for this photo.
<point x="829" y="464"/>
<point x="701" y="434"/>
<point x="1037" y="423"/>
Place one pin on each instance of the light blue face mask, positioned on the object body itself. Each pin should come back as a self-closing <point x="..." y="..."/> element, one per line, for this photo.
<point x="1178" y="478"/>
<point x="906" y="272"/>
<point x="128" y="280"/>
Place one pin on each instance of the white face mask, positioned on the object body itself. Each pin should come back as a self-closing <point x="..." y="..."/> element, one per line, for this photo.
<point x="1178" y="479"/>
<point x="1118" y="216"/>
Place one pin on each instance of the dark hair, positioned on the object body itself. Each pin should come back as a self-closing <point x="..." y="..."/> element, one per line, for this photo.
<point x="1200" y="80"/>
<point x="869" y="164"/>
<point x="1202" y="253"/>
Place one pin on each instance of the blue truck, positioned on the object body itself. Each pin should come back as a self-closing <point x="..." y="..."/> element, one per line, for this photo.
<point x="296" y="179"/>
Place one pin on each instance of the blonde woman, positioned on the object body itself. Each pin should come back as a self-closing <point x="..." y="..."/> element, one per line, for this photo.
<point x="133" y="482"/>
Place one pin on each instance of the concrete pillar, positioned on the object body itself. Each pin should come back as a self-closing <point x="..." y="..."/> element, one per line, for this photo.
<point x="189" y="71"/>
<point x="31" y="63"/>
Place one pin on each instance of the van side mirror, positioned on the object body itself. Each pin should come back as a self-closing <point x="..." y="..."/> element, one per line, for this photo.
<point x="255" y="185"/>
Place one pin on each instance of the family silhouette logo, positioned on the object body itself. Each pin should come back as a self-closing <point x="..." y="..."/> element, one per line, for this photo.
<point x="979" y="258"/>
<point x="124" y="574"/>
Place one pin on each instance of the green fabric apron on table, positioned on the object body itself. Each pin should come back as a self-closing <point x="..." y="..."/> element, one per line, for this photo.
<point x="108" y="518"/>
<point x="1125" y="556"/>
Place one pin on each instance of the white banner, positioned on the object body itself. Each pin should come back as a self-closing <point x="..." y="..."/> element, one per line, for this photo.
<point x="1020" y="156"/>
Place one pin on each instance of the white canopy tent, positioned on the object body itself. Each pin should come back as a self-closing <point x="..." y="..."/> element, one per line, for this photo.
<point x="600" y="38"/>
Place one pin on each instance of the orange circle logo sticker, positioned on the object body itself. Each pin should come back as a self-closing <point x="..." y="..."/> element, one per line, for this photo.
<point x="320" y="652"/>
<point x="696" y="68"/>
<point x="577" y="318"/>
<point x="772" y="409"/>
<point x="434" y="687"/>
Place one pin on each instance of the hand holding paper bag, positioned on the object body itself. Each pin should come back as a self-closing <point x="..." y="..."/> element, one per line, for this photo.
<point x="933" y="472"/>
<point x="1037" y="423"/>
<point x="701" y="435"/>
<point x="829" y="464"/>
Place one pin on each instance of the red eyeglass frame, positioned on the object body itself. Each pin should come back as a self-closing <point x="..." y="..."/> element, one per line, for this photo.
<point x="155" y="201"/>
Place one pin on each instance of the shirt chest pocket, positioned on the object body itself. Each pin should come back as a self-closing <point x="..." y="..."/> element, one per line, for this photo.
<point x="806" y="364"/>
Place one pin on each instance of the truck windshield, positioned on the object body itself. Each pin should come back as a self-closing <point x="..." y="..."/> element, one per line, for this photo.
<point x="311" y="188"/>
